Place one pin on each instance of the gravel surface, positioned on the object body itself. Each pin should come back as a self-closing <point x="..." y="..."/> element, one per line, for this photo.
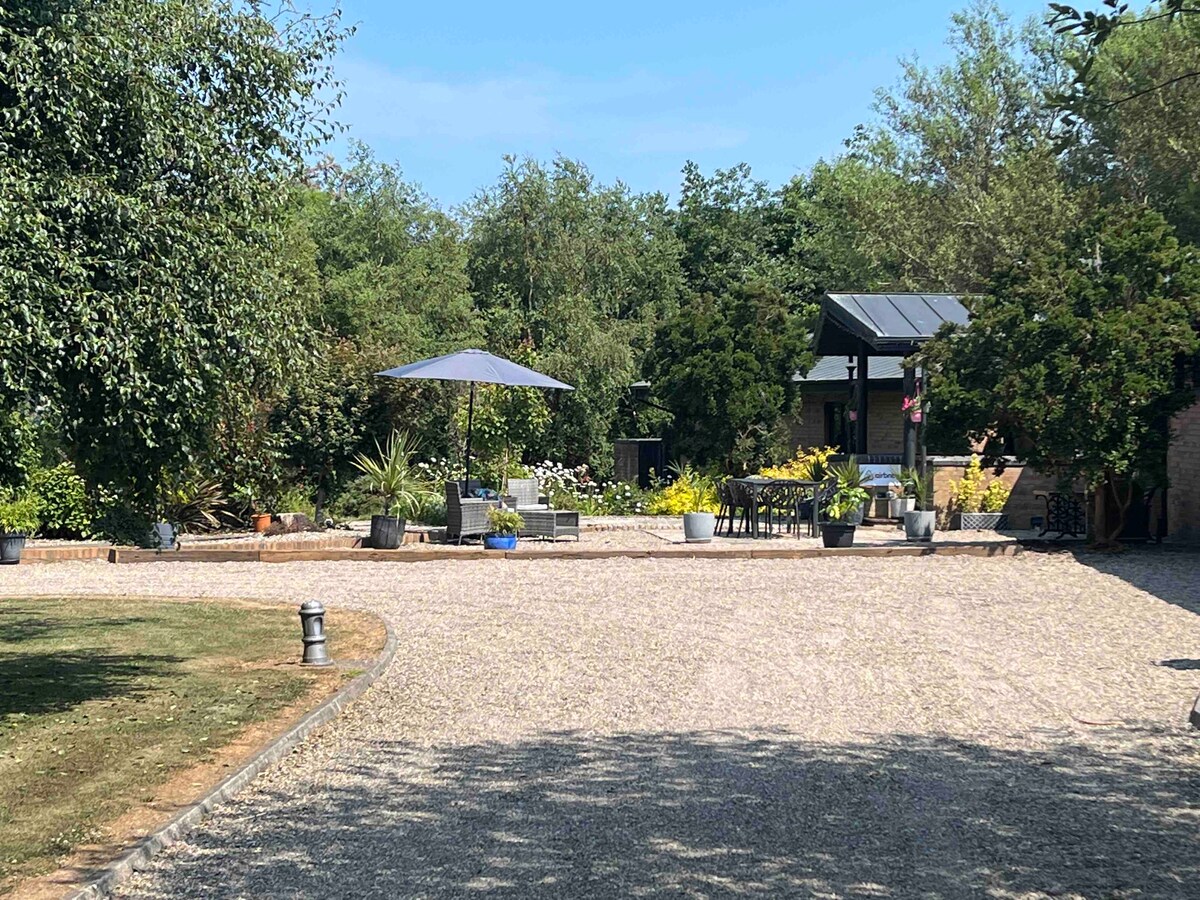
<point x="936" y="727"/>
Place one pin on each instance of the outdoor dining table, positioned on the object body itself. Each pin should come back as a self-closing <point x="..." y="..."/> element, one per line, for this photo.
<point x="756" y="484"/>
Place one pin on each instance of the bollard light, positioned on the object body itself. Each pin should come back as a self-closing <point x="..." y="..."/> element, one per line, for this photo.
<point x="312" y="622"/>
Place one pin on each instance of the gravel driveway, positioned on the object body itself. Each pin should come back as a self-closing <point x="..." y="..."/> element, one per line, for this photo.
<point x="938" y="727"/>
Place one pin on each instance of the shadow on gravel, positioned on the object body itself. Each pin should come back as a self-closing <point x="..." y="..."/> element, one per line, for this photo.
<point x="1168" y="573"/>
<point x="715" y="815"/>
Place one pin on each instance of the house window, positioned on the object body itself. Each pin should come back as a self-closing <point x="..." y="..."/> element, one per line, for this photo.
<point x="835" y="426"/>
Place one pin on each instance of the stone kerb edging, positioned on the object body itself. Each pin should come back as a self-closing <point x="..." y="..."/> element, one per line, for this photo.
<point x="136" y="858"/>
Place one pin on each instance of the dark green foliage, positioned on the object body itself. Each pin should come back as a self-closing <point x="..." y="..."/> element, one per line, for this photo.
<point x="1080" y="351"/>
<point x="724" y="367"/>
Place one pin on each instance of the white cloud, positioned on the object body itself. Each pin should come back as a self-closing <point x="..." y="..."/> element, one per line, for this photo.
<point x="632" y="113"/>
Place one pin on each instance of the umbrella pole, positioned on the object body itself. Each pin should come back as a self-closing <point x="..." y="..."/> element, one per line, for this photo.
<point x="470" y="420"/>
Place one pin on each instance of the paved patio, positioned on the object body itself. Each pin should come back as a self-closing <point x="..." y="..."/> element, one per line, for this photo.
<point x="938" y="727"/>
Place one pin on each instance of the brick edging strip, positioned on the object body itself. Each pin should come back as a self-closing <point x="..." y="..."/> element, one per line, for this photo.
<point x="184" y="821"/>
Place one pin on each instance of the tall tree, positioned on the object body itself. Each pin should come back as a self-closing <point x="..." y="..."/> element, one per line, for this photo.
<point x="1080" y="350"/>
<point x="974" y="174"/>
<point x="581" y="271"/>
<point x="723" y="366"/>
<point x="148" y="147"/>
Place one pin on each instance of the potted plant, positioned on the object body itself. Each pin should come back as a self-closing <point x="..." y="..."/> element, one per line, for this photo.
<point x="401" y="483"/>
<point x="842" y="509"/>
<point x="850" y="474"/>
<point x="919" y="523"/>
<point x="506" y="524"/>
<point x="18" y="520"/>
<point x="906" y="498"/>
<point x="697" y="492"/>
<point x="978" y="505"/>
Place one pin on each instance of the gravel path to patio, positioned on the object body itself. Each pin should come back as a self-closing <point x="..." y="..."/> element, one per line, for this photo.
<point x="936" y="727"/>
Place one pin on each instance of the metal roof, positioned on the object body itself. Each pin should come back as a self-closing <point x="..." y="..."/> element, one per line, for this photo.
<point x="833" y="368"/>
<point x="890" y="324"/>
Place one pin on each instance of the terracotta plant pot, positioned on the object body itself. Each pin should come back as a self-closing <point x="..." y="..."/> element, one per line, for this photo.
<point x="261" y="521"/>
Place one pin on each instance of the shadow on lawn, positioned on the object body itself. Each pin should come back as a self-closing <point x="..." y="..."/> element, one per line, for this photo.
<point x="54" y="681"/>
<point x="19" y="627"/>
<point x="713" y="814"/>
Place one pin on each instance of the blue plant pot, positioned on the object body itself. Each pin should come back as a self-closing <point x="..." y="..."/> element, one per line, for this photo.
<point x="500" y="541"/>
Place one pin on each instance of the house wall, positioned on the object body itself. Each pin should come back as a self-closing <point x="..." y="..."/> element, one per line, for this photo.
<point x="1183" y="474"/>
<point x="885" y="423"/>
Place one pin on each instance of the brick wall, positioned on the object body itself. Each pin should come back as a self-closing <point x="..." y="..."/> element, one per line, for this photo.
<point x="1022" y="504"/>
<point x="1183" y="473"/>
<point x="885" y="423"/>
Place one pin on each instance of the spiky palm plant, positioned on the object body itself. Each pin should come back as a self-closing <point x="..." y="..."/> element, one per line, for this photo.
<point x="394" y="476"/>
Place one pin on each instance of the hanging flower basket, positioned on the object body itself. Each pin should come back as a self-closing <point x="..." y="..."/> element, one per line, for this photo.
<point x="853" y="415"/>
<point x="912" y="407"/>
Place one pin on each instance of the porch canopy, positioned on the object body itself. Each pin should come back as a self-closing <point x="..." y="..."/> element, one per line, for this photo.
<point x="859" y="326"/>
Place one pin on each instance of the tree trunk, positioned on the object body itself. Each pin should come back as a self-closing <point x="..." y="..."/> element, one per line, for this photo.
<point x="319" y="510"/>
<point x="1110" y="517"/>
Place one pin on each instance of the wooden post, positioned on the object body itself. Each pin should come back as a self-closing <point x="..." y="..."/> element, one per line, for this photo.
<point x="909" y="458"/>
<point x="860" y="430"/>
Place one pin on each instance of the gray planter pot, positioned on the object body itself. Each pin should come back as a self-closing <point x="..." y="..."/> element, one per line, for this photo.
<point x="898" y="507"/>
<point x="387" y="532"/>
<point x="981" y="521"/>
<point x="919" y="525"/>
<point x="698" y="527"/>
<point x="11" y="546"/>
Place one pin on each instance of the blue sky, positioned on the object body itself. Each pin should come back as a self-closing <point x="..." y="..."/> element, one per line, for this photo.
<point x="632" y="89"/>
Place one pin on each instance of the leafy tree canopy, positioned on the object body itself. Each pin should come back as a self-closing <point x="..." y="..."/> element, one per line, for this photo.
<point x="1079" y="350"/>
<point x="147" y="148"/>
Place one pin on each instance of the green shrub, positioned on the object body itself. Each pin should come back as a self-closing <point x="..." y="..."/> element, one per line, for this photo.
<point x="65" y="508"/>
<point x="18" y="514"/>
<point x="120" y="522"/>
<point x="297" y="499"/>
<point x="431" y="511"/>
<point x="356" y="500"/>
<point x="505" y="521"/>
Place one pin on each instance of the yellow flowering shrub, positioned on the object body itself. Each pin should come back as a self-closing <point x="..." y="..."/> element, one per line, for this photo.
<point x="995" y="497"/>
<point x="970" y="495"/>
<point x="802" y="465"/>
<point x="689" y="492"/>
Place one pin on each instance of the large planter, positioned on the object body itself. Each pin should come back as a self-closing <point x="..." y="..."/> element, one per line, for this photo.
<point x="837" y="534"/>
<point x="387" y="532"/>
<point x="899" y="506"/>
<point x="11" y="546"/>
<point x="981" y="521"/>
<point x="698" y="527"/>
<point x="500" y="541"/>
<point x="919" y="525"/>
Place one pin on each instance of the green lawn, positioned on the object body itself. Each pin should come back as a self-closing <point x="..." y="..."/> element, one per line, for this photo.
<point x="101" y="701"/>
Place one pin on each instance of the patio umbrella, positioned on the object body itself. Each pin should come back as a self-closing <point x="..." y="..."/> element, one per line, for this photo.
<point x="475" y="366"/>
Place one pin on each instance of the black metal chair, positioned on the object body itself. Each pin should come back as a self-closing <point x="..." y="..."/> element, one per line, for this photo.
<point x="781" y="503"/>
<point x="740" y="497"/>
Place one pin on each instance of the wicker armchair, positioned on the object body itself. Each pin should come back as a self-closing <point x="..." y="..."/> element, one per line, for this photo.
<point x="525" y="492"/>
<point x="465" y="516"/>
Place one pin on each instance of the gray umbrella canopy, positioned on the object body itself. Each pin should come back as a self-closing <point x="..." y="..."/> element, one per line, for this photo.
<point x="475" y="366"/>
